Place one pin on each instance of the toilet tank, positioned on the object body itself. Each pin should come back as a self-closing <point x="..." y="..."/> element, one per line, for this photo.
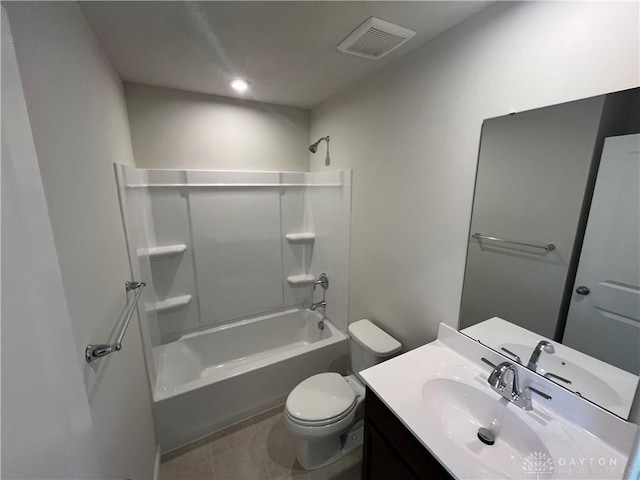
<point x="370" y="345"/>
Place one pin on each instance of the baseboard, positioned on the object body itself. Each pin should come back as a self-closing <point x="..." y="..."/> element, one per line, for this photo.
<point x="156" y="464"/>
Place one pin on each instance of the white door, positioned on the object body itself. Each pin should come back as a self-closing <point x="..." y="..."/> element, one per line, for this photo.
<point x="604" y="314"/>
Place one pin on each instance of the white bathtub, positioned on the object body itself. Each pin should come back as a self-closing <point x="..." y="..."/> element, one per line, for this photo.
<point x="214" y="378"/>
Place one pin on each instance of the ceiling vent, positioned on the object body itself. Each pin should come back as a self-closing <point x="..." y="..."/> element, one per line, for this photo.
<point x="375" y="38"/>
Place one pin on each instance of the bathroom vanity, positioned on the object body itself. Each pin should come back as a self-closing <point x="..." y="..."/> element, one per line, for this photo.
<point x="424" y="410"/>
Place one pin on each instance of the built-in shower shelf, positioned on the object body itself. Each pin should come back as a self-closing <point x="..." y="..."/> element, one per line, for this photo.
<point x="166" y="251"/>
<point x="301" y="280"/>
<point x="171" y="303"/>
<point x="300" y="237"/>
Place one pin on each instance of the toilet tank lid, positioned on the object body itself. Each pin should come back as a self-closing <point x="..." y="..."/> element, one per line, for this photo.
<point x="374" y="339"/>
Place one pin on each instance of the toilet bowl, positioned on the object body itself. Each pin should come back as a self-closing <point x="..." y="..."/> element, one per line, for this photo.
<point x="325" y="412"/>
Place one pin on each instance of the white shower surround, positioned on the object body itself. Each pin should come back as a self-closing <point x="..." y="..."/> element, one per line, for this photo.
<point x="235" y="348"/>
<point x="209" y="380"/>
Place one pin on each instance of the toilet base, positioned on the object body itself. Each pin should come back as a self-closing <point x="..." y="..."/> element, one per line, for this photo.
<point x="314" y="454"/>
<point x="354" y="438"/>
<point x="318" y="453"/>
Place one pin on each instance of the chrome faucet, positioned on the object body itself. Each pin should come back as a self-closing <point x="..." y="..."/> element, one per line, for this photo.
<point x="543" y="345"/>
<point x="315" y="306"/>
<point x="509" y="388"/>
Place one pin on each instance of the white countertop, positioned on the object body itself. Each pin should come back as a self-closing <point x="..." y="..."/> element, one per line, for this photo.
<point x="402" y="384"/>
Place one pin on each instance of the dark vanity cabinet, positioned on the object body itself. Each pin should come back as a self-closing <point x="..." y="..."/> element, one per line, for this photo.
<point x="391" y="452"/>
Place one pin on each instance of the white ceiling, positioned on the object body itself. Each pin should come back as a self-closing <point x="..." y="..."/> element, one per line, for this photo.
<point x="286" y="50"/>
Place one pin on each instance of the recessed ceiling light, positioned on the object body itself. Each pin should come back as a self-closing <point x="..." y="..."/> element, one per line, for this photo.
<point x="239" y="85"/>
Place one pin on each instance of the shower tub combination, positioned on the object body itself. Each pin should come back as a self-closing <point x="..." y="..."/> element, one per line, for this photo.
<point x="214" y="378"/>
<point x="230" y="260"/>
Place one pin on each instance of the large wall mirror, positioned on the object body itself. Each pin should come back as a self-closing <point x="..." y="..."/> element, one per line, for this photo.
<point x="552" y="277"/>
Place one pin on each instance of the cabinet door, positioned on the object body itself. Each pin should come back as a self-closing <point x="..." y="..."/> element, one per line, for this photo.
<point x="391" y="452"/>
<point x="380" y="462"/>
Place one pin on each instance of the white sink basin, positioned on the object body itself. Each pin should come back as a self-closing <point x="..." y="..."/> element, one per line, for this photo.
<point x="458" y="410"/>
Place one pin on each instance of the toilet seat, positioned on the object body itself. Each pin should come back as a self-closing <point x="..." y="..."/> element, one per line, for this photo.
<point x="321" y="423"/>
<point x="321" y="400"/>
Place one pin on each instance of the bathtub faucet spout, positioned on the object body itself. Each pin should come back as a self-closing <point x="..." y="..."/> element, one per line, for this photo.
<point x="314" y="306"/>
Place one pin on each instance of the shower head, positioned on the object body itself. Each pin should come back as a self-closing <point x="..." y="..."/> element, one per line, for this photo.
<point x="313" y="148"/>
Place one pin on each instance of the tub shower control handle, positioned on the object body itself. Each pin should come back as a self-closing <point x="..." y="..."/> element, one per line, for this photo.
<point x="323" y="281"/>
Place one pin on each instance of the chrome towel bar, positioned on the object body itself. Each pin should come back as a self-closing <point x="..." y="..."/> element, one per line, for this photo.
<point x="92" y="352"/>
<point x="548" y="247"/>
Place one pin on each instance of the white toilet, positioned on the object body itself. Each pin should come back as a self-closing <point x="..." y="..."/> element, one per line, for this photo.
<point x="325" y="412"/>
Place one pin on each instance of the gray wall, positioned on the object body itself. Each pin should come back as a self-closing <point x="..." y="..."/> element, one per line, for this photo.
<point x="411" y="134"/>
<point x="181" y="130"/>
<point x="78" y="117"/>
<point x="37" y="437"/>
<point x="533" y="172"/>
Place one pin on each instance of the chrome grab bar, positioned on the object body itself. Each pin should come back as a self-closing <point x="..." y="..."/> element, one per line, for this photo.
<point x="92" y="352"/>
<point x="548" y="247"/>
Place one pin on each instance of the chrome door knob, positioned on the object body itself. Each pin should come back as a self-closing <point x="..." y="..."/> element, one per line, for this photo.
<point x="582" y="290"/>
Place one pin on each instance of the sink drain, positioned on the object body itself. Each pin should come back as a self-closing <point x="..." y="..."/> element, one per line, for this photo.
<point x="486" y="436"/>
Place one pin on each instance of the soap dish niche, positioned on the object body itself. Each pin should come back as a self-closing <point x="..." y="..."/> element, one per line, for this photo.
<point x="158" y="253"/>
<point x="301" y="280"/>
<point x="300" y="237"/>
<point x="169" y="304"/>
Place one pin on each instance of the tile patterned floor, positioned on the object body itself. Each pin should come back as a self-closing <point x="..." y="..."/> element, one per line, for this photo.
<point x="256" y="449"/>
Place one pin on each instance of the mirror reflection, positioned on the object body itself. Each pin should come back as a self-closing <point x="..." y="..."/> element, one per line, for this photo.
<point x="552" y="278"/>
